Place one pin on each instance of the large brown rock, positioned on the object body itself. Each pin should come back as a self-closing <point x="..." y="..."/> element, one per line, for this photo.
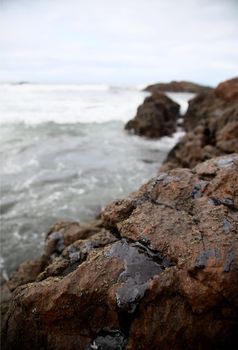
<point x="178" y="86"/>
<point x="228" y="90"/>
<point x="156" y="117"/>
<point x="211" y="123"/>
<point x="164" y="277"/>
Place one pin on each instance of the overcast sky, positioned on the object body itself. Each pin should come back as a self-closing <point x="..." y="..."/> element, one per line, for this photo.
<point x="122" y="42"/>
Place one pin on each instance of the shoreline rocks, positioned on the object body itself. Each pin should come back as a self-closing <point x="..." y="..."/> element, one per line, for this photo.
<point x="211" y="123"/>
<point x="159" y="269"/>
<point x="178" y="86"/>
<point x="156" y="117"/>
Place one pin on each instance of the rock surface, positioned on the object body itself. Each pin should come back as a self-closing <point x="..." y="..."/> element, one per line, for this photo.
<point x="156" y="117"/>
<point x="228" y="90"/>
<point x="159" y="270"/>
<point x="211" y="123"/>
<point x="178" y="86"/>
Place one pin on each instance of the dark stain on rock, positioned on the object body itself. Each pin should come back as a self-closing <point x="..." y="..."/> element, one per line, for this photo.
<point x="141" y="264"/>
<point x="228" y="202"/>
<point x="199" y="188"/>
<point x="70" y="268"/>
<point x="203" y="257"/>
<point x="108" y="340"/>
<point x="146" y="197"/>
<point x="228" y="261"/>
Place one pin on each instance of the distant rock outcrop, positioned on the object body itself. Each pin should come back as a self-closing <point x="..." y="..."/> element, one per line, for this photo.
<point x="156" y="117"/>
<point x="159" y="270"/>
<point x="178" y="86"/>
<point x="211" y="123"/>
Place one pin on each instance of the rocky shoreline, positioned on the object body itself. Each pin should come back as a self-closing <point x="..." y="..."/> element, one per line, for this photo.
<point x="211" y="125"/>
<point x="156" y="270"/>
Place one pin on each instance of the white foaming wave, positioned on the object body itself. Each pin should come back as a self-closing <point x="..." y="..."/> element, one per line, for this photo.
<point x="35" y="104"/>
<point x="168" y="142"/>
<point x="67" y="104"/>
<point x="165" y="143"/>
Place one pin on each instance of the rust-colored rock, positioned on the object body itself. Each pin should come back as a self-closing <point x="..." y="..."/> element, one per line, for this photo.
<point x="211" y="123"/>
<point x="156" y="117"/>
<point x="67" y="245"/>
<point x="228" y="90"/>
<point x="166" y="279"/>
<point x="178" y="86"/>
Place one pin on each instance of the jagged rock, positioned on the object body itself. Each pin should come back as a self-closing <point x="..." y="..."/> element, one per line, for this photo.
<point x="211" y="123"/>
<point x="166" y="279"/>
<point x="156" y="117"/>
<point x="67" y="245"/>
<point x="178" y="86"/>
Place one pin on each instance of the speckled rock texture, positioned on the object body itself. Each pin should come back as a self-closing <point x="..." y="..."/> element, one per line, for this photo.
<point x="211" y="125"/>
<point x="155" y="118"/>
<point x="159" y="270"/>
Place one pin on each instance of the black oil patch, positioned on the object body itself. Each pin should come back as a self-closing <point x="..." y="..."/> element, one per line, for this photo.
<point x="141" y="264"/>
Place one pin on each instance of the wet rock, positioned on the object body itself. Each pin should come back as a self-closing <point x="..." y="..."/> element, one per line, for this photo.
<point x="64" y="233"/>
<point x="178" y="86"/>
<point x="156" y="117"/>
<point x="211" y="123"/>
<point x="67" y="244"/>
<point x="192" y="235"/>
<point x="141" y="264"/>
<point x="165" y="275"/>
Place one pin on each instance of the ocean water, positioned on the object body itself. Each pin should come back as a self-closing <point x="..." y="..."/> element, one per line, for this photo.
<point x="65" y="155"/>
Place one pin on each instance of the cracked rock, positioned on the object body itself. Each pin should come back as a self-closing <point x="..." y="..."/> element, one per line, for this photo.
<point x="160" y="273"/>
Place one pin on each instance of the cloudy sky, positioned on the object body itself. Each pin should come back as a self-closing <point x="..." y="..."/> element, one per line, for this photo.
<point x="122" y="42"/>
